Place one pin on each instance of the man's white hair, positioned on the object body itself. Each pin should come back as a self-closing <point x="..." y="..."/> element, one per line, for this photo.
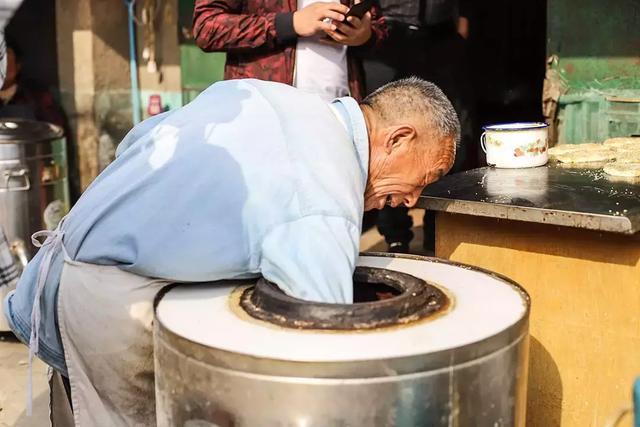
<point x="396" y="101"/>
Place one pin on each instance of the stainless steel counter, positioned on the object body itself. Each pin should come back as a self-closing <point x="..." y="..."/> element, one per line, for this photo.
<point x="581" y="198"/>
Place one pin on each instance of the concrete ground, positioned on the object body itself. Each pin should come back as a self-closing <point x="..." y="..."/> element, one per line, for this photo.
<point x="13" y="386"/>
<point x="14" y="356"/>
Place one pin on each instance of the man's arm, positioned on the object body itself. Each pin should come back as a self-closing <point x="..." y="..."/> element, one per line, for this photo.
<point x="312" y="258"/>
<point x="218" y="25"/>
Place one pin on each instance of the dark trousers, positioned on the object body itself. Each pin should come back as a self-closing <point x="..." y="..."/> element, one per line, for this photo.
<point x="437" y="54"/>
<point x="60" y="407"/>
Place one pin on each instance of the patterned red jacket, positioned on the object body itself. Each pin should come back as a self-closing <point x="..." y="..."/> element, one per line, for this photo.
<point x="260" y="41"/>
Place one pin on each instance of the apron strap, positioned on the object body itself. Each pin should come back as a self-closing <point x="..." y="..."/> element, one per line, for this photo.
<point x="53" y="240"/>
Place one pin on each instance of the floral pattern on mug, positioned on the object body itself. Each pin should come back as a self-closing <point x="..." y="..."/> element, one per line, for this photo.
<point x="495" y="142"/>
<point x="532" y="149"/>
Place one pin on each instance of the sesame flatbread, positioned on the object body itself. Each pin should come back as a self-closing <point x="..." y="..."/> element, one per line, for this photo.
<point x="582" y="166"/>
<point x="630" y="170"/>
<point x="587" y="156"/>
<point x="568" y="148"/>
<point x="624" y="179"/>
<point x="628" y="156"/>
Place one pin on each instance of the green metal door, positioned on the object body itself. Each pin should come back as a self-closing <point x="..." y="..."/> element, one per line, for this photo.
<point x="598" y="50"/>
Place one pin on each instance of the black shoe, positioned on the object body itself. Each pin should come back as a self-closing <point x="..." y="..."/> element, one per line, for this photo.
<point x="398" y="248"/>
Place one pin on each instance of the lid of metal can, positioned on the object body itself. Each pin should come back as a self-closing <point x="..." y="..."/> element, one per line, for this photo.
<point x="21" y="131"/>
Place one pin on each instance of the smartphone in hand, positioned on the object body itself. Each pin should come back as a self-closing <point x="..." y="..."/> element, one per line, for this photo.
<point x="359" y="9"/>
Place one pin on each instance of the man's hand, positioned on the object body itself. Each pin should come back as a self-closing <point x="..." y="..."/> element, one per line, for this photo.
<point x="354" y="32"/>
<point x="309" y="21"/>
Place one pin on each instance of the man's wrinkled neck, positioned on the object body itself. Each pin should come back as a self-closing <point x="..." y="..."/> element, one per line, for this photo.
<point x="370" y="121"/>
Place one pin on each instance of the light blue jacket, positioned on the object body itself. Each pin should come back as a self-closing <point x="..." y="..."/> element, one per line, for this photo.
<point x="250" y="178"/>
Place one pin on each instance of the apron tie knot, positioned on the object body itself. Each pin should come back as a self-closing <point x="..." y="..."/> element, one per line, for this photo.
<point x="53" y="240"/>
<point x="50" y="237"/>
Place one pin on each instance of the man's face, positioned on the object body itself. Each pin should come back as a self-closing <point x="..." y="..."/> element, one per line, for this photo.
<point x="404" y="166"/>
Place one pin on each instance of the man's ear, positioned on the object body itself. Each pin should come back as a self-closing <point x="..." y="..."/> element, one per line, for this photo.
<point x="399" y="135"/>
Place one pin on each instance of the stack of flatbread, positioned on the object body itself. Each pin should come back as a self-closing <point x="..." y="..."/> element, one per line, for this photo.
<point x="616" y="156"/>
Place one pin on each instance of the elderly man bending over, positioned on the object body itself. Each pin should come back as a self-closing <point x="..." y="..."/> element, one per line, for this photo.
<point x="251" y="178"/>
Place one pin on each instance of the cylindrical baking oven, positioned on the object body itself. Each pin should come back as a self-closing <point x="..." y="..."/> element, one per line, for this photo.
<point x="34" y="192"/>
<point x="427" y="342"/>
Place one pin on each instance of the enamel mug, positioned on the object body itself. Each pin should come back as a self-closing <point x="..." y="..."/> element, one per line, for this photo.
<point x="516" y="145"/>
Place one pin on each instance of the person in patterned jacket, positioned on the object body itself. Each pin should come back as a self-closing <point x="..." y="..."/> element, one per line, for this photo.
<point x="304" y="43"/>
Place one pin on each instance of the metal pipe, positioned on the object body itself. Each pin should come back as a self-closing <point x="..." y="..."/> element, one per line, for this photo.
<point x="133" y="63"/>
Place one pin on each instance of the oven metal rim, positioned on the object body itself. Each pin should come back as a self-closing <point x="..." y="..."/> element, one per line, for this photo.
<point x="364" y="367"/>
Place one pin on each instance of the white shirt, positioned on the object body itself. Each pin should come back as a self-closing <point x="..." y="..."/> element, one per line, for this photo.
<point x="321" y="68"/>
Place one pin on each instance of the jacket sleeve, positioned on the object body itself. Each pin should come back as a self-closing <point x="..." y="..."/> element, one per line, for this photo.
<point x="312" y="258"/>
<point x="219" y="25"/>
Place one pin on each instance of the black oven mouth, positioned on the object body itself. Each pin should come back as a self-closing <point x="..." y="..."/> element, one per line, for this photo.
<point x="382" y="298"/>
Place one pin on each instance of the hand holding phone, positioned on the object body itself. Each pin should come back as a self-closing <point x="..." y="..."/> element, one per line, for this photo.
<point x="318" y="17"/>
<point x="354" y="30"/>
